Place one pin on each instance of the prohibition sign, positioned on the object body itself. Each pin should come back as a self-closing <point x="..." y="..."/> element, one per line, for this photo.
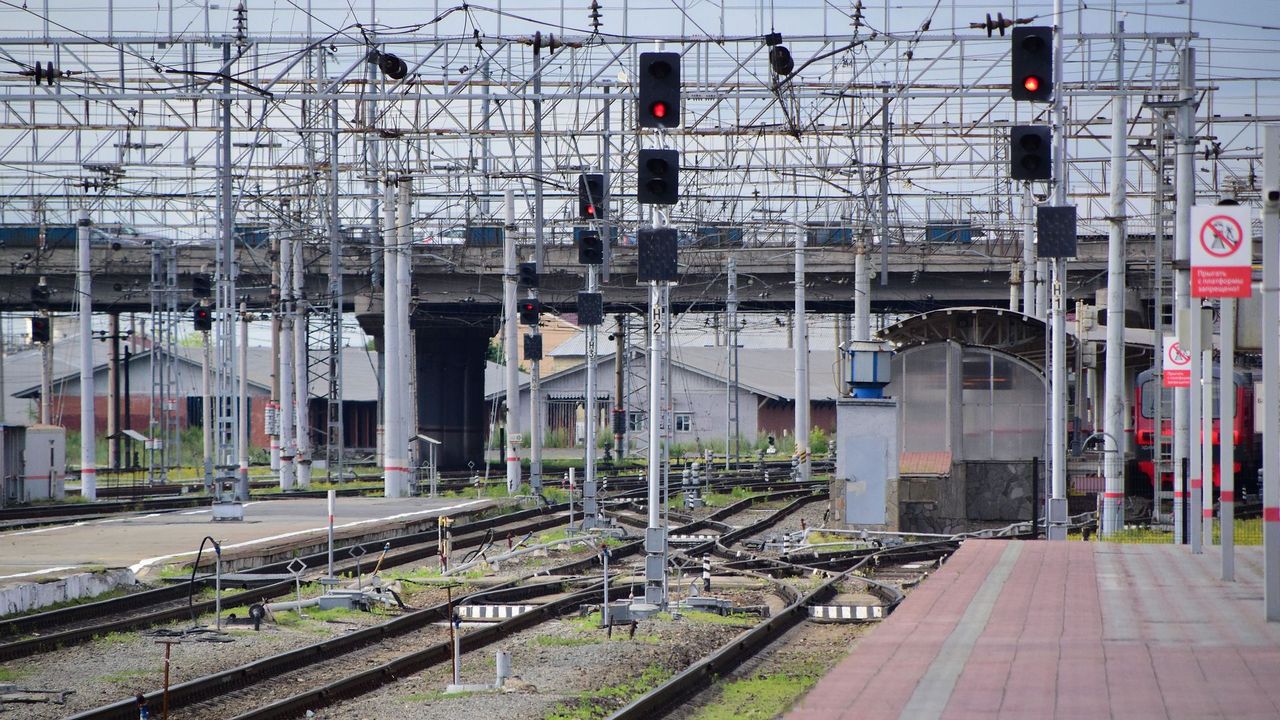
<point x="1177" y="355"/>
<point x="1220" y="236"/>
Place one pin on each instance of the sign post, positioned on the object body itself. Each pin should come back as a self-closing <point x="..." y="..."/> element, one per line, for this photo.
<point x="1176" y="365"/>
<point x="1221" y="251"/>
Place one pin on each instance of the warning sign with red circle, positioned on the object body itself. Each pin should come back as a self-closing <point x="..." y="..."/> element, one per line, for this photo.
<point x="1176" y="368"/>
<point x="1221" y="251"/>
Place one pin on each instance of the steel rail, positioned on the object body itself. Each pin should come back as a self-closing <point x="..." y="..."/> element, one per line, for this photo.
<point x="702" y="674"/>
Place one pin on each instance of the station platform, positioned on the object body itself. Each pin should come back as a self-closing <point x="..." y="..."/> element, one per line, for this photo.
<point x="143" y="542"/>
<point x="1033" y="629"/>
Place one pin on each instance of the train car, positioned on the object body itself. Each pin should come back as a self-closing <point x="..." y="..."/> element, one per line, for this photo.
<point x="1247" y="443"/>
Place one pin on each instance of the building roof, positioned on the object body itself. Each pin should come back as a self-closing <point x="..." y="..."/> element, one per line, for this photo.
<point x="22" y="373"/>
<point x="768" y="372"/>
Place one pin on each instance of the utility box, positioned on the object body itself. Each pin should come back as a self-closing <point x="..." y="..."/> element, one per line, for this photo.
<point x="34" y="463"/>
<point x="864" y="491"/>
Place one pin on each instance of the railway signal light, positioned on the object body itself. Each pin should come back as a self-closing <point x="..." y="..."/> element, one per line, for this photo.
<point x="532" y="347"/>
<point x="527" y="275"/>
<point x="1030" y="152"/>
<point x="1032" y="63"/>
<point x="659" y="179"/>
<point x="202" y="318"/>
<point x="659" y="90"/>
<point x="201" y="286"/>
<point x="40" y="329"/>
<point x="590" y="248"/>
<point x="657" y="255"/>
<point x="529" y="310"/>
<point x="591" y="196"/>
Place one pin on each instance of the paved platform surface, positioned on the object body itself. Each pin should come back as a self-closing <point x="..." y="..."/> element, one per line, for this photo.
<point x="1010" y="629"/>
<point x="141" y="541"/>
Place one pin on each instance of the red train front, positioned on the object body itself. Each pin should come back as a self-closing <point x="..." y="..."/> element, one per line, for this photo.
<point x="1242" y="429"/>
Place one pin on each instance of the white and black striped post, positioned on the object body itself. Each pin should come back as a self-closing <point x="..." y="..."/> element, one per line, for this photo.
<point x="706" y="573"/>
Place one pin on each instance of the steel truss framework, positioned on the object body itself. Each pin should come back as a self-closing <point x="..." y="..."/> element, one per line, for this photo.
<point x="137" y="138"/>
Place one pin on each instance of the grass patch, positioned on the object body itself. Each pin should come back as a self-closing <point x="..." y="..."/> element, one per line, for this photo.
<point x="762" y="697"/>
<point x="118" y="638"/>
<point x="710" y="618"/>
<point x="595" y="704"/>
<point x="9" y="674"/>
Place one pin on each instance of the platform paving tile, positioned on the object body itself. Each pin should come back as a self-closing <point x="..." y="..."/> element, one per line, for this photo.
<point x="1077" y="630"/>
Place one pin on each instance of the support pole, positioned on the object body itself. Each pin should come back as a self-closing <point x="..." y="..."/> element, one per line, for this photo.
<point x="242" y="422"/>
<point x="536" y="426"/>
<point x="1205" y="360"/>
<point x="619" y="387"/>
<point x="1186" y="305"/>
<point x="301" y="390"/>
<point x="801" y="344"/>
<point x="1056" y="519"/>
<point x="1029" y="252"/>
<point x="733" y="419"/>
<point x="511" y="336"/>
<point x="655" y="534"/>
<point x="84" y="286"/>
<point x="1114" y="396"/>
<point x="408" y="380"/>
<point x="590" y="502"/>
<point x="861" y="294"/>
<point x="1271" y="372"/>
<point x="1227" y="449"/>
<point x="393" y="459"/>
<point x="284" y="329"/>
<point x="113" y="391"/>
<point x="1185" y="464"/>
<point x="273" y="429"/>
<point x="206" y="407"/>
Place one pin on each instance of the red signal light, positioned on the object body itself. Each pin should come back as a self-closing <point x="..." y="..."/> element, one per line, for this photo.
<point x="591" y="210"/>
<point x="658" y="109"/>
<point x="1031" y="83"/>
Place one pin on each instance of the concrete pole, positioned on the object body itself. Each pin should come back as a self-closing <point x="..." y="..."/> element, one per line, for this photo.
<point x="285" y="342"/>
<point x="655" y="534"/>
<point x="861" y="294"/>
<point x="1271" y="372"/>
<point x="801" y="343"/>
<point x="242" y="425"/>
<point x="1185" y="173"/>
<point x="1029" y="252"/>
<point x="1113" y="381"/>
<point x="274" y="400"/>
<point x="1185" y="465"/>
<point x="1015" y="285"/>
<point x="88" y="454"/>
<point x="301" y="390"/>
<point x="1057" y="517"/>
<point x="393" y="437"/>
<point x="404" y="266"/>
<point x="511" y="338"/>
<point x="1227" y="448"/>
<point x="46" y="375"/>
<point x="206" y="407"/>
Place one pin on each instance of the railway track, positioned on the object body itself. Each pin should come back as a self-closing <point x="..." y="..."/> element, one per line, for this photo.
<point x="273" y="668"/>
<point x="137" y="611"/>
